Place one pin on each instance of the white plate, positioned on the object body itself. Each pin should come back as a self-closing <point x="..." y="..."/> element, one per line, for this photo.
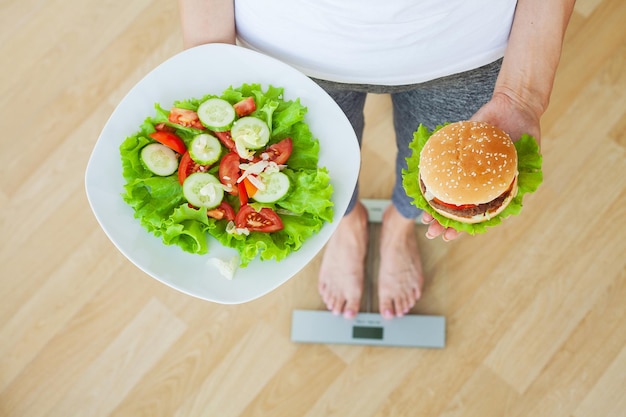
<point x="194" y="73"/>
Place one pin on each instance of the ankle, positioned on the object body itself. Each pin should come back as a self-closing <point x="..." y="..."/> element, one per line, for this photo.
<point x="395" y="221"/>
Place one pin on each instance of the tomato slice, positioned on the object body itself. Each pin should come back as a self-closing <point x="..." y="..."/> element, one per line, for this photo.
<point x="163" y="127"/>
<point x="184" y="167"/>
<point x="453" y="206"/>
<point x="280" y="152"/>
<point x="226" y="139"/>
<point x="223" y="211"/>
<point x="185" y="117"/>
<point x="170" y="140"/>
<point x="265" y="220"/>
<point x="243" y="194"/>
<point x="188" y="166"/>
<point x="229" y="172"/>
<point x="245" y="106"/>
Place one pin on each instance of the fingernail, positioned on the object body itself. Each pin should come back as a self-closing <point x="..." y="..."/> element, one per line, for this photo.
<point x="429" y="236"/>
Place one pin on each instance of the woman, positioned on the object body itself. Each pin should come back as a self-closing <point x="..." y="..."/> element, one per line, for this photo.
<point x="489" y="60"/>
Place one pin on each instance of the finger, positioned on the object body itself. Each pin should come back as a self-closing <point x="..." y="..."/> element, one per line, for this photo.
<point x="427" y="218"/>
<point x="434" y="229"/>
<point x="450" y="234"/>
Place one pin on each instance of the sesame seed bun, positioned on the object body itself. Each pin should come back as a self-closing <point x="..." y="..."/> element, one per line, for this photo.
<point x="467" y="164"/>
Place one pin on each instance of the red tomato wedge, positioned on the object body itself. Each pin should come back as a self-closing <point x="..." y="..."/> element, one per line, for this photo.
<point x="170" y="140"/>
<point x="265" y="220"/>
<point x="184" y="167"/>
<point x="280" y="152"/>
<point x="163" y="127"/>
<point x="226" y="139"/>
<point x="188" y="166"/>
<point x="222" y="212"/>
<point x="185" y="117"/>
<point x="243" y="194"/>
<point x="229" y="171"/>
<point x="245" y="107"/>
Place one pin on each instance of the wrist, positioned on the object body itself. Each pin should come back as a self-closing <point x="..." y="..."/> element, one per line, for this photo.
<point x="526" y="98"/>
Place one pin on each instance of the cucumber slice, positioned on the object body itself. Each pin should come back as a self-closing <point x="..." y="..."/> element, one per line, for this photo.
<point x="276" y="187"/>
<point x="250" y="133"/>
<point x="202" y="189"/>
<point x="159" y="159"/>
<point x="205" y="149"/>
<point x="216" y="114"/>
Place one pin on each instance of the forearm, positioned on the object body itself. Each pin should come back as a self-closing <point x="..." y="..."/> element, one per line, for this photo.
<point x="207" y="21"/>
<point x="533" y="52"/>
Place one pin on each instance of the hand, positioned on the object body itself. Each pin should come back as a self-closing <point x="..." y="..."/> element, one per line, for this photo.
<point x="510" y="115"/>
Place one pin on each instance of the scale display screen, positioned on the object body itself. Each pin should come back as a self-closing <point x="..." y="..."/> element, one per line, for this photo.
<point x="363" y="332"/>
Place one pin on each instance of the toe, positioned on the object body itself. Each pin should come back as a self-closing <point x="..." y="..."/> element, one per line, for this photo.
<point x="402" y="306"/>
<point x="352" y="308"/>
<point x="386" y="308"/>
<point x="338" y="306"/>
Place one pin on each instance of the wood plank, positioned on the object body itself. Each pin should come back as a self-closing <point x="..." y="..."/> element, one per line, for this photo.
<point x="44" y="381"/>
<point x="118" y="368"/>
<point x="607" y="397"/>
<point x="581" y="361"/>
<point x="240" y="376"/>
<point x="298" y="385"/>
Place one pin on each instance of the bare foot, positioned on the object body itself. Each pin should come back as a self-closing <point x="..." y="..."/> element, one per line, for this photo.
<point x="343" y="264"/>
<point x="400" y="278"/>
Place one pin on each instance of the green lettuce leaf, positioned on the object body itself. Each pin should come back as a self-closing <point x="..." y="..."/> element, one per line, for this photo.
<point x="529" y="162"/>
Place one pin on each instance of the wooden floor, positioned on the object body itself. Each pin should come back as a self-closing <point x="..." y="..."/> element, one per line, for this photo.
<point x="536" y="328"/>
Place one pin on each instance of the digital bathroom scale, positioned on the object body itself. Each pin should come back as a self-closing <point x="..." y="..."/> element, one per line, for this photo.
<point x="313" y="326"/>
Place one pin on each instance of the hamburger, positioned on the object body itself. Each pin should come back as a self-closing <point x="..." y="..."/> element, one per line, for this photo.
<point x="468" y="171"/>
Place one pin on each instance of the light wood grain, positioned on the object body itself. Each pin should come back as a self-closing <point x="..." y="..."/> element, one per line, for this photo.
<point x="535" y="308"/>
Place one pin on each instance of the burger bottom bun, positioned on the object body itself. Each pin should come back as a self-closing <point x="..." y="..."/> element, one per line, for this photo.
<point x="483" y="216"/>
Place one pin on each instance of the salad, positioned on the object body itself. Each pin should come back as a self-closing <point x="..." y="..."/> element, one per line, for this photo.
<point x="241" y="167"/>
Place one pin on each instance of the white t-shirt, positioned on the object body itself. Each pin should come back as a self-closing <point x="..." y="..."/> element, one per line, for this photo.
<point x="382" y="42"/>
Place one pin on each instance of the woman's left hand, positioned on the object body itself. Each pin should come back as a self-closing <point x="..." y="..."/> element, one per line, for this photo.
<point x="510" y="116"/>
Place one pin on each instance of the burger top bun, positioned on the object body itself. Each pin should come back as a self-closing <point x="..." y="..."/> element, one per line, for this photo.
<point x="468" y="163"/>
